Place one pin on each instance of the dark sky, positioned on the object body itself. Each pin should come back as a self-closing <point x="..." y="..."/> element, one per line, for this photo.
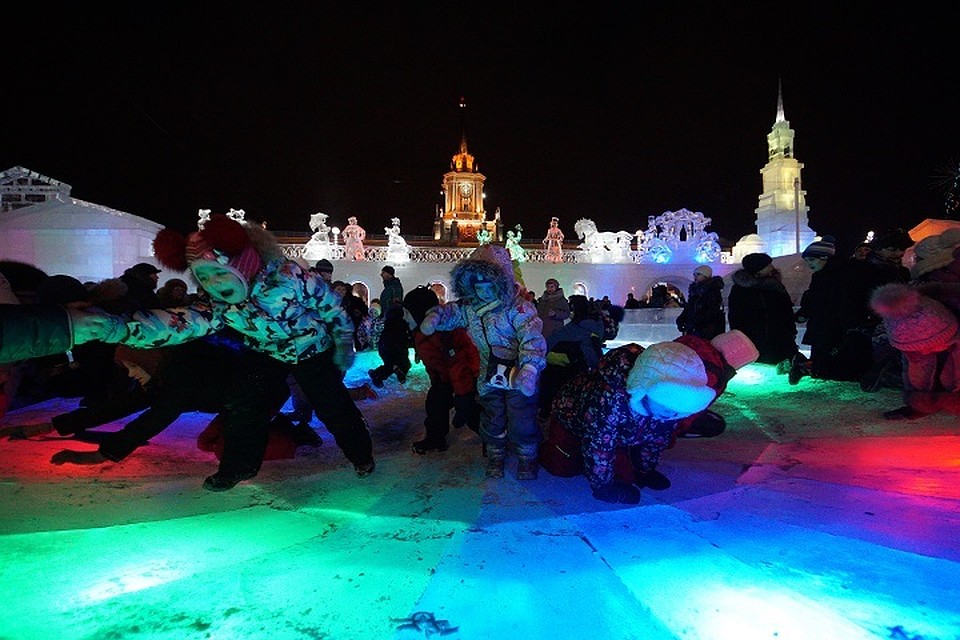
<point x="612" y="112"/>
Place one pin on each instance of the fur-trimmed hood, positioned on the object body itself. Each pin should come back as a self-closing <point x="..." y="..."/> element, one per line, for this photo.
<point x="744" y="278"/>
<point x="490" y="263"/>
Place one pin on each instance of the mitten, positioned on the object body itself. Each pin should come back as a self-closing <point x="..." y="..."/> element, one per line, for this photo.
<point x="429" y="324"/>
<point x="465" y="408"/>
<point x="525" y="380"/>
<point x="617" y="493"/>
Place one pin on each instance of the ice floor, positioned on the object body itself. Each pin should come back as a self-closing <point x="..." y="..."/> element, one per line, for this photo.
<point x="810" y="518"/>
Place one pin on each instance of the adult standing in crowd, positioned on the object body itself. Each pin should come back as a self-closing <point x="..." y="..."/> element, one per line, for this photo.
<point x="886" y="261"/>
<point x="392" y="293"/>
<point x="703" y="314"/>
<point x="835" y="308"/>
<point x="760" y="306"/>
<point x="552" y="307"/>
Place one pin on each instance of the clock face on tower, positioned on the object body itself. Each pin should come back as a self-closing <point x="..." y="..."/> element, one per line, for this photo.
<point x="466" y="189"/>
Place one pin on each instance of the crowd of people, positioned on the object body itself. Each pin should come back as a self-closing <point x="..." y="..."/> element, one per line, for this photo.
<point x="531" y="375"/>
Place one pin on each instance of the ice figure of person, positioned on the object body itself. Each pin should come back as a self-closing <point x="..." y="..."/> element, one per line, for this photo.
<point x="353" y="237"/>
<point x="483" y="237"/>
<point x="318" y="247"/>
<point x="512" y="244"/>
<point x="398" y="250"/>
<point x="554" y="241"/>
<point x="203" y="216"/>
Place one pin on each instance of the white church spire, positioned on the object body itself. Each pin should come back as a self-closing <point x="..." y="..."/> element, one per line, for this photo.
<point x="780" y="115"/>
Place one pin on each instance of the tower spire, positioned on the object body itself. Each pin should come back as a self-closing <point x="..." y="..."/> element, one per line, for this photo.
<point x="780" y="115"/>
<point x="463" y="124"/>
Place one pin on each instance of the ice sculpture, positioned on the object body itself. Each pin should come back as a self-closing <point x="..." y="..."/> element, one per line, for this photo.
<point x="603" y="246"/>
<point x="483" y="236"/>
<point x="512" y="244"/>
<point x="353" y="237"/>
<point x="553" y="243"/>
<point x="398" y="251"/>
<point x="678" y="236"/>
<point x="318" y="247"/>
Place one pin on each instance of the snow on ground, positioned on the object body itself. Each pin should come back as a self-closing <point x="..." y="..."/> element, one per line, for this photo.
<point x="810" y="518"/>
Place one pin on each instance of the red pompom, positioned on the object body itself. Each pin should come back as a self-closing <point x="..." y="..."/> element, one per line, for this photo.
<point x="169" y="248"/>
<point x="225" y="234"/>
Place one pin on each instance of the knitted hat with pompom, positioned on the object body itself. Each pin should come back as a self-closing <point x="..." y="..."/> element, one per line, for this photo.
<point x="241" y="247"/>
<point x="914" y="322"/>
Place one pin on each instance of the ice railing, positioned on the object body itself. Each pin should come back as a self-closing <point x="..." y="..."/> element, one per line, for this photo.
<point x="428" y="255"/>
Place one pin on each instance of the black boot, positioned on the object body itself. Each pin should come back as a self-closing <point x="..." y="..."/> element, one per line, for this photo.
<point x="707" y="424"/>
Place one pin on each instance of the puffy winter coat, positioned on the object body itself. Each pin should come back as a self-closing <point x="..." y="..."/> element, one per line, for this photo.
<point x="703" y="314"/>
<point x="291" y="314"/>
<point x="506" y="329"/>
<point x="33" y="330"/>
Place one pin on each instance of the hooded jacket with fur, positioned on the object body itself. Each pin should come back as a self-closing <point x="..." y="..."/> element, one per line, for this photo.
<point x="508" y="327"/>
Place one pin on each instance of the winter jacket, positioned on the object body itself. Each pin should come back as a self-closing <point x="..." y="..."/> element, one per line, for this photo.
<point x="506" y="329"/>
<point x="450" y="357"/>
<point x="762" y="309"/>
<point x="586" y="335"/>
<point x="291" y="314"/>
<point x="703" y="314"/>
<point x="554" y="302"/>
<point x="33" y="330"/>
<point x="392" y="294"/>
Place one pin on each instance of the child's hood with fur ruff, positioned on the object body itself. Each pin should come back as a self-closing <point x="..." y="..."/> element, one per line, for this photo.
<point x="490" y="263"/>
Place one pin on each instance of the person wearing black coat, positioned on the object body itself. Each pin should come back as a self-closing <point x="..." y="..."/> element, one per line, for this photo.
<point x="760" y="306"/>
<point x="703" y="316"/>
<point x="835" y="308"/>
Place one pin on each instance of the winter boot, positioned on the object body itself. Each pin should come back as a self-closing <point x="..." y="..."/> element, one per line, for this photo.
<point x="527" y="468"/>
<point x="423" y="446"/>
<point x="495" y="458"/>
<point x="799" y="368"/>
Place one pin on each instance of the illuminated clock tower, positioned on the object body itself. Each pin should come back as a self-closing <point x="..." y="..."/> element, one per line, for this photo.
<point x="463" y="213"/>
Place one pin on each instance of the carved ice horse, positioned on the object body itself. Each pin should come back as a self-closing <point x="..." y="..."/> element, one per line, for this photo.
<point x="596" y="242"/>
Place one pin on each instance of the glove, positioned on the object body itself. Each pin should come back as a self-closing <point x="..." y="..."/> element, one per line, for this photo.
<point x="465" y="408"/>
<point x="525" y="380"/>
<point x="429" y="324"/>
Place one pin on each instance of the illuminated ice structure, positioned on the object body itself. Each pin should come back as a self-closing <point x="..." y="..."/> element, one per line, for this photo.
<point x="398" y="251"/>
<point x="602" y="246"/>
<point x="319" y="246"/>
<point x="353" y="237"/>
<point x="512" y="244"/>
<point x="678" y="237"/>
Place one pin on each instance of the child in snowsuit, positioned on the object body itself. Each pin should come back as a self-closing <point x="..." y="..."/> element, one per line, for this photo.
<point x="636" y="399"/>
<point x="507" y="332"/>
<point x="453" y="364"/>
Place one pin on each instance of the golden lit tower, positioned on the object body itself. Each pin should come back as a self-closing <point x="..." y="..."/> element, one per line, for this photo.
<point x="463" y="212"/>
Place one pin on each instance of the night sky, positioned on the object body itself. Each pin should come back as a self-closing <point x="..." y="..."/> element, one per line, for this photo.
<point x="613" y="112"/>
